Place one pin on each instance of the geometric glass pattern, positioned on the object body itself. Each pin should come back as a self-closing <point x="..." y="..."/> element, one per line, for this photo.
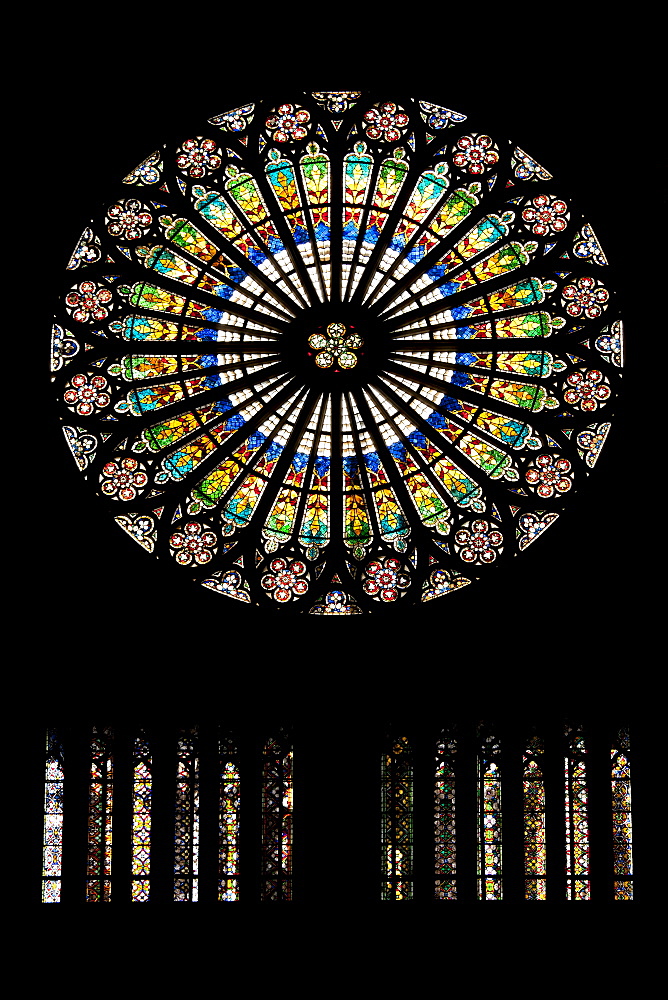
<point x="100" y="800"/>
<point x="228" y="820"/>
<point x="534" y="820"/>
<point x="444" y="818"/>
<point x="52" y="840"/>
<point x="141" y="820"/>
<point x="622" y="841"/>
<point x="577" y="823"/>
<point x="331" y="354"/>
<point x="186" y="839"/>
<point x="397" y="821"/>
<point x="490" y="884"/>
<point x="277" y="806"/>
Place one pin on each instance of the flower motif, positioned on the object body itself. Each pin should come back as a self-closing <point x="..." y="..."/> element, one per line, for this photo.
<point x="193" y="544"/>
<point x="284" y="580"/>
<point x="337" y="102"/>
<point x="549" y="473"/>
<point x="141" y="527"/>
<point x="476" y="153"/>
<point x="336" y="346"/>
<point x="88" y="301"/>
<point x="477" y="541"/>
<point x="87" y="250"/>
<point x="532" y="525"/>
<point x="586" y="245"/>
<point x="62" y="348"/>
<point x="81" y="444"/>
<point x="148" y="171"/>
<point x="545" y="215"/>
<point x="585" y="296"/>
<point x="586" y="389"/>
<point x="86" y="393"/>
<point x="236" y="120"/>
<point x="198" y="157"/>
<point x="610" y="342"/>
<point x="336" y="602"/>
<point x="437" y="117"/>
<point x="286" y="123"/>
<point x="386" y="122"/>
<point x="128" y="219"/>
<point x="440" y="582"/>
<point x="526" y="168"/>
<point x="590" y="442"/>
<point x="385" y="579"/>
<point x="123" y="479"/>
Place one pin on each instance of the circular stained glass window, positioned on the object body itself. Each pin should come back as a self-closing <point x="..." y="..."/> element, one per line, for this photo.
<point x="337" y="354"/>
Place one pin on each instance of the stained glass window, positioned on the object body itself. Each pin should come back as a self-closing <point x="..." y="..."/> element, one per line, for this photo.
<point x="229" y="815"/>
<point x="397" y="820"/>
<point x="444" y="818"/>
<point x="334" y="354"/>
<point x="277" y="833"/>
<point x="490" y="881"/>
<point x="142" y="787"/>
<point x="186" y="836"/>
<point x="52" y="840"/>
<point x="577" y="815"/>
<point x="535" y="858"/>
<point x="100" y="809"/>
<point x="622" y="841"/>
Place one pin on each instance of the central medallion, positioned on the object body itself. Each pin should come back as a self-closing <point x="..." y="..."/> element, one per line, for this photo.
<point x="336" y="346"/>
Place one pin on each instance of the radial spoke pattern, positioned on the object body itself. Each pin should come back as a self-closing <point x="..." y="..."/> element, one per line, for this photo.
<point x="333" y="351"/>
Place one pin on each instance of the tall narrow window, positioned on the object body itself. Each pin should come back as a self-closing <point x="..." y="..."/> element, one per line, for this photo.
<point x="100" y="802"/>
<point x="534" y="820"/>
<point x="444" y="819"/>
<point x="577" y="822"/>
<point x="622" y="845"/>
<point x="186" y="838"/>
<point x="277" y="820"/>
<point x="228" y="821"/>
<point x="52" y="840"/>
<point x="142" y="785"/>
<point x="397" y="821"/>
<point x="490" y="884"/>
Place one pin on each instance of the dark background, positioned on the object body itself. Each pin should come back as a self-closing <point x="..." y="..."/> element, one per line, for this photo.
<point x="105" y="632"/>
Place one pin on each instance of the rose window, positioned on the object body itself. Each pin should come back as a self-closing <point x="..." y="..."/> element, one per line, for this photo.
<point x="329" y="353"/>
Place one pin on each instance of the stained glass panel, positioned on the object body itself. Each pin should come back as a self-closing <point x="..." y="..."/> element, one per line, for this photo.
<point x="52" y="839"/>
<point x="229" y="815"/>
<point x="277" y="807"/>
<point x="577" y="815"/>
<point x="622" y="839"/>
<point x="535" y="858"/>
<point x="100" y="803"/>
<point x="186" y="834"/>
<point x="490" y="881"/>
<point x="363" y="338"/>
<point x="444" y="818"/>
<point x="397" y="821"/>
<point x="142" y="789"/>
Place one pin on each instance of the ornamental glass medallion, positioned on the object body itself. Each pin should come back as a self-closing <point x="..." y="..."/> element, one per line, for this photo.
<point x="336" y="354"/>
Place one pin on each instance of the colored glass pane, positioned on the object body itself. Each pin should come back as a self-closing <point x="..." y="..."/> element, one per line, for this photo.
<point x="490" y="881"/>
<point x="52" y="840"/>
<point x="295" y="256"/>
<point x="397" y="821"/>
<point x="100" y="802"/>
<point x="277" y="806"/>
<point x="577" y="815"/>
<point x="186" y="833"/>
<point x="142" y="789"/>
<point x="444" y="819"/>
<point x="535" y="857"/>
<point x="622" y="838"/>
